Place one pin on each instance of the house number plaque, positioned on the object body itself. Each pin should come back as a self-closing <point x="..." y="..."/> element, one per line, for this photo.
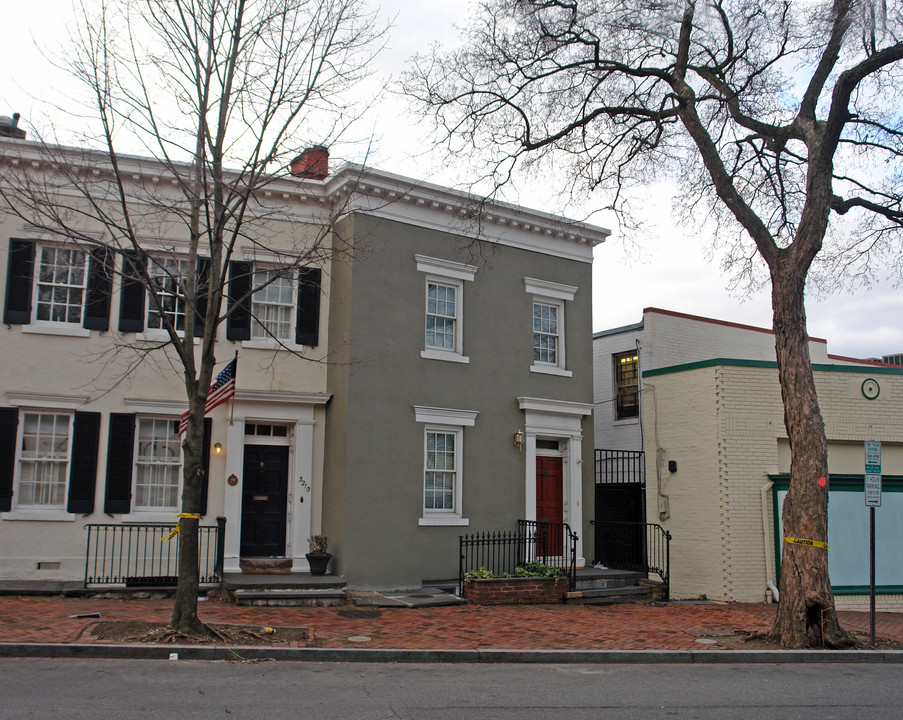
<point x="232" y="480"/>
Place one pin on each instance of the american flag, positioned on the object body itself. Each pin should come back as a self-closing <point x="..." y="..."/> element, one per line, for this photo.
<point x="221" y="390"/>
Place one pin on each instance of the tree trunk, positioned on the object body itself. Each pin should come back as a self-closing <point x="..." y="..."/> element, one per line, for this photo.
<point x="806" y="616"/>
<point x="185" y="607"/>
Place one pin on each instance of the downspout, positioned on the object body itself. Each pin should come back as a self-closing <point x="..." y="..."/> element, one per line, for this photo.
<point x="664" y="510"/>
<point x="765" y="492"/>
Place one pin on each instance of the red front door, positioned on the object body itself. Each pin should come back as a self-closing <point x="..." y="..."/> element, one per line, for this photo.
<point x="549" y="506"/>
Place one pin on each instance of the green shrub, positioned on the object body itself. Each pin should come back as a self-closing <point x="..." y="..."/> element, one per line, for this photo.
<point x="537" y="569"/>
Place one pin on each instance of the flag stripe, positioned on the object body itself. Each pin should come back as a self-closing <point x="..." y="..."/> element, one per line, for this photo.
<point x="221" y="390"/>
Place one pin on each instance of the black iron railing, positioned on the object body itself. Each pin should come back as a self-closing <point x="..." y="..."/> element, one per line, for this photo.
<point x="641" y="547"/>
<point x="503" y="551"/>
<point x="620" y="467"/>
<point x="139" y="555"/>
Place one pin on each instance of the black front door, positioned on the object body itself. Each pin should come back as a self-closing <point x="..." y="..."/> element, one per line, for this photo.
<point x="263" y="500"/>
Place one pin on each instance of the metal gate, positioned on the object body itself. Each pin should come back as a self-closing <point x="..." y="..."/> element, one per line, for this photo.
<point x="620" y="498"/>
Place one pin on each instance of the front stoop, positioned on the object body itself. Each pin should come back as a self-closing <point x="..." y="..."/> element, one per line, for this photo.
<point x="607" y="587"/>
<point x="285" y="590"/>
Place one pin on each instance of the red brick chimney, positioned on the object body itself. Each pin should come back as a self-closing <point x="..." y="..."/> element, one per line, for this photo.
<point x="312" y="164"/>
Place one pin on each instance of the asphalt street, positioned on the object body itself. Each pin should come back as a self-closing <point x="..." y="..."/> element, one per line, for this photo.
<point x="64" y="689"/>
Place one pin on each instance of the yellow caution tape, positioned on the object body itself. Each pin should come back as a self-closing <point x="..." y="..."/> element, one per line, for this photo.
<point x="175" y="530"/>
<point x="807" y="543"/>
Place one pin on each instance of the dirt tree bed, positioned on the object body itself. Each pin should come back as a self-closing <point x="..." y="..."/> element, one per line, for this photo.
<point x="132" y="631"/>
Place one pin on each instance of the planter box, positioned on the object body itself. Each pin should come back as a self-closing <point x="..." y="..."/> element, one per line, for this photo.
<point x="516" y="591"/>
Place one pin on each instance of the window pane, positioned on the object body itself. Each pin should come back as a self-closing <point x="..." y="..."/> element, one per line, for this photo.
<point x="626" y="370"/>
<point x="545" y="333"/>
<point x="44" y="460"/>
<point x="158" y="464"/>
<point x="440" y="476"/>
<point x="441" y="316"/>
<point x="167" y="275"/>
<point x="272" y="307"/>
<point x="61" y="284"/>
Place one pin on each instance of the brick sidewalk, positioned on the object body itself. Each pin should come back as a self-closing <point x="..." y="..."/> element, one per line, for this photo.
<point x="616" y="627"/>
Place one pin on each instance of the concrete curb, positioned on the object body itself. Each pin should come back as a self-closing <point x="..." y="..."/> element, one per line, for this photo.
<point x="201" y="652"/>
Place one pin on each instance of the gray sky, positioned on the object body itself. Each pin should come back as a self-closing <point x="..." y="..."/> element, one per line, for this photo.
<point x="669" y="269"/>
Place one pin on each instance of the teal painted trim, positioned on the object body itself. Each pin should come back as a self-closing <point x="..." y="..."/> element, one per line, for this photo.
<point x="734" y="362"/>
<point x="864" y="589"/>
<point x="845" y="483"/>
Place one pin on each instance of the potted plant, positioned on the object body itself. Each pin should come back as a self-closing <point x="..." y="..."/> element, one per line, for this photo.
<point x="318" y="558"/>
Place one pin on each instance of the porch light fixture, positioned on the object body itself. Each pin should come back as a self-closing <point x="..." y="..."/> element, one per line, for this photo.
<point x="218" y="448"/>
<point x="519" y="439"/>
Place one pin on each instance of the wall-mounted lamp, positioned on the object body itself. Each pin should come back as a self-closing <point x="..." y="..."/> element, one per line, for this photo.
<point x="519" y="438"/>
<point x="218" y="448"/>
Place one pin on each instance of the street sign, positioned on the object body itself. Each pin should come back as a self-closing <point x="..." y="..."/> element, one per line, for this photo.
<point x="872" y="490"/>
<point x="873" y="457"/>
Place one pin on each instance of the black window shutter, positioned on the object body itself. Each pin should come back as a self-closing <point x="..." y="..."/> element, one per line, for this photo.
<point x="120" y="448"/>
<point x="238" y="325"/>
<point x="19" y="276"/>
<point x="307" y="327"/>
<point x="200" y="298"/>
<point x="83" y="470"/>
<point x="9" y="421"/>
<point x="100" y="283"/>
<point x="132" y="296"/>
<point x="205" y="463"/>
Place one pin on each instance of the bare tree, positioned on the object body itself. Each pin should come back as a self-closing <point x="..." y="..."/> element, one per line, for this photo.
<point x="778" y="116"/>
<point x="214" y="98"/>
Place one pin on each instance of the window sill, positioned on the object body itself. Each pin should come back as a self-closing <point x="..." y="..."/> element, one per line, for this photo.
<point x="551" y="370"/>
<point x="152" y="517"/>
<point x="160" y="336"/>
<point x="443" y="521"/>
<point x="72" y="330"/>
<point x="628" y="421"/>
<point x="40" y="515"/>
<point x="272" y="345"/>
<point x="444" y="355"/>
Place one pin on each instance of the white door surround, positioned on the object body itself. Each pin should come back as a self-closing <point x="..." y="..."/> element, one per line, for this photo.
<point x="560" y="420"/>
<point x="279" y="408"/>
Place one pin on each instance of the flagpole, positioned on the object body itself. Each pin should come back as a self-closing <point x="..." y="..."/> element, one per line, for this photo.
<point x="235" y="379"/>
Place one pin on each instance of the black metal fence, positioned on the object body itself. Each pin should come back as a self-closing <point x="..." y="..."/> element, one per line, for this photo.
<point x="503" y="551"/>
<point x="641" y="547"/>
<point x="615" y="467"/>
<point x="139" y="555"/>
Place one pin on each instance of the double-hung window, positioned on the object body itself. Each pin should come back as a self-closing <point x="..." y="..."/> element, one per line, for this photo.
<point x="60" y="284"/>
<point x="273" y="307"/>
<point x="158" y="464"/>
<point x="627" y="385"/>
<point x="57" y="287"/>
<point x="444" y="308"/>
<point x="548" y="342"/>
<point x="166" y="295"/>
<point x="443" y="458"/>
<point x="43" y="462"/>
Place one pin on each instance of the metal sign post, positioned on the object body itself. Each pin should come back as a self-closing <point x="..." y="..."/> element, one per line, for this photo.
<point x="872" y="500"/>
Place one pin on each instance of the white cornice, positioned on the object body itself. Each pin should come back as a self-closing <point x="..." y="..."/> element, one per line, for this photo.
<point x="153" y="406"/>
<point x="446" y="268"/>
<point x="47" y="400"/>
<point x="445" y="416"/>
<point x="554" y="407"/>
<point x="550" y="289"/>
<point x="293" y="398"/>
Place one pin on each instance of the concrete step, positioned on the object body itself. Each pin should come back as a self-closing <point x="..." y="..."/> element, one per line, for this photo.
<point x="296" y="581"/>
<point x="610" y="596"/>
<point x="284" y="597"/>
<point x="600" y="579"/>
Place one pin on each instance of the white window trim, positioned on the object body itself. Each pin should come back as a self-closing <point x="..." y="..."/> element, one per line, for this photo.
<point x="261" y="263"/>
<point x="153" y="514"/>
<point x="558" y="368"/>
<point x="555" y="294"/>
<point x="37" y="512"/>
<point x="49" y="327"/>
<point x="445" y="420"/>
<point x="454" y="274"/>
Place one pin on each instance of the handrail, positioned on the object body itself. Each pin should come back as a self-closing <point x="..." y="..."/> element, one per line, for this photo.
<point x="502" y="552"/>
<point x="656" y="550"/>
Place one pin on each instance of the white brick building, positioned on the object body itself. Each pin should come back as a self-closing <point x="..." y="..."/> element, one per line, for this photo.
<point x="710" y="419"/>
